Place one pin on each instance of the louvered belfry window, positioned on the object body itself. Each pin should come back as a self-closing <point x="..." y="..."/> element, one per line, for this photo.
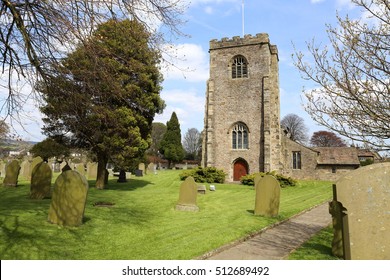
<point x="239" y="67"/>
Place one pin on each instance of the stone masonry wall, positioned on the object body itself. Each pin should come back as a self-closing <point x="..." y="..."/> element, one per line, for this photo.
<point x="253" y="101"/>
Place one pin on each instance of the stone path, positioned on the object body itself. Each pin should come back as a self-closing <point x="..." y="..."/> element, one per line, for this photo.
<point x="277" y="242"/>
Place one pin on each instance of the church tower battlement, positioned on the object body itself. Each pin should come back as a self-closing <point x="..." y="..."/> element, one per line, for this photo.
<point x="242" y="111"/>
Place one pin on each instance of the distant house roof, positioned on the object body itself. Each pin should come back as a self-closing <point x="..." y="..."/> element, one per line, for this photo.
<point x="337" y="156"/>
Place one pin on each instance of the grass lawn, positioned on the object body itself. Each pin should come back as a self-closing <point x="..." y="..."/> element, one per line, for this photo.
<point x="143" y="223"/>
<point x="317" y="248"/>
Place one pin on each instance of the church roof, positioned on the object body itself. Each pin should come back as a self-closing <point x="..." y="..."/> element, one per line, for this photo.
<point x="337" y="156"/>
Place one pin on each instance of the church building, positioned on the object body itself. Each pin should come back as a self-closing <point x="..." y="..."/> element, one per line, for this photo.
<point x="242" y="131"/>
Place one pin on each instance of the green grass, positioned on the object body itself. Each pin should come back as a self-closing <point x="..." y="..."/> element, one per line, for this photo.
<point x="317" y="248"/>
<point x="143" y="223"/>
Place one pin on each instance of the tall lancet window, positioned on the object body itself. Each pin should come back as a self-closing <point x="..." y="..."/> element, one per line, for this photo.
<point x="239" y="67"/>
<point x="240" y="137"/>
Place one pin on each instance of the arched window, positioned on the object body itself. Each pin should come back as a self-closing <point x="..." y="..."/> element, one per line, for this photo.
<point x="239" y="67"/>
<point x="240" y="137"/>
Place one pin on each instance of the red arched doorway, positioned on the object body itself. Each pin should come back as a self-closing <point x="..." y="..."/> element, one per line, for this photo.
<point x="240" y="169"/>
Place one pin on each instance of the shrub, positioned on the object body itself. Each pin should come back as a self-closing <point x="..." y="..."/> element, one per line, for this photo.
<point x="205" y="175"/>
<point x="283" y="181"/>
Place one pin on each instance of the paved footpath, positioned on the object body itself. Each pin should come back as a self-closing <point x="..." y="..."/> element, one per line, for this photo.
<point x="276" y="243"/>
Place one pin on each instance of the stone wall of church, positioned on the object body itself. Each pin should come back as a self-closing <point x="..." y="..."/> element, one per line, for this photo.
<point x="253" y="101"/>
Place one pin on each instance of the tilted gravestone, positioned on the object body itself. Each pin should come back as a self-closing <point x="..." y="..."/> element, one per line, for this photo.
<point x="68" y="199"/>
<point x="11" y="174"/>
<point x="80" y="168"/>
<point x="187" y="195"/>
<point x="141" y="167"/>
<point x="25" y="169"/>
<point x="267" y="196"/>
<point x="362" y="213"/>
<point x="41" y="181"/>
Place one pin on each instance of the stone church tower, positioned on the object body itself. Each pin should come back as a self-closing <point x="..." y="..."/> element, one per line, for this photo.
<point x="242" y="112"/>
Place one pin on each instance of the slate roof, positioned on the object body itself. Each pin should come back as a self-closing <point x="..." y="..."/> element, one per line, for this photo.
<point x="337" y="156"/>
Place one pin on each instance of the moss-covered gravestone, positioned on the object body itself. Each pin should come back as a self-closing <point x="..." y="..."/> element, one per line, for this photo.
<point x="11" y="174"/>
<point x="92" y="170"/>
<point x="68" y="199"/>
<point x="187" y="195"/>
<point x="40" y="181"/>
<point x="267" y="196"/>
<point x="363" y="213"/>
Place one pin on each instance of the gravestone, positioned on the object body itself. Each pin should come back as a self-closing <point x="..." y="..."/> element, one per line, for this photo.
<point x="68" y="199"/>
<point x="202" y="189"/>
<point x="80" y="169"/>
<point x="267" y="196"/>
<point x="138" y="173"/>
<point x="41" y="181"/>
<point x="151" y="168"/>
<point x="35" y="161"/>
<point x="11" y="174"/>
<point x="212" y="188"/>
<point x="25" y="169"/>
<point x="92" y="170"/>
<point x="141" y="167"/>
<point x="122" y="177"/>
<point x="187" y="195"/>
<point x="363" y="213"/>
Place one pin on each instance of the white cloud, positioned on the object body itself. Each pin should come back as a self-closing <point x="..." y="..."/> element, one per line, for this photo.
<point x="209" y="10"/>
<point x="185" y="61"/>
<point x="188" y="106"/>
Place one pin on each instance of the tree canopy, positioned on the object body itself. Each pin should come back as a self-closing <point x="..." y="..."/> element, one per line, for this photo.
<point x="326" y="139"/>
<point x="49" y="148"/>
<point x="171" y="146"/>
<point x="35" y="34"/>
<point x="353" y="76"/>
<point x="103" y="97"/>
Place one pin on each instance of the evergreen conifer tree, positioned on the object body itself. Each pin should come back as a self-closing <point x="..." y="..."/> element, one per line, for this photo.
<point x="171" y="146"/>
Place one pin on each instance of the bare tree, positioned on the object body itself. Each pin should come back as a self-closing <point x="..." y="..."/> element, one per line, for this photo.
<point x="326" y="139"/>
<point x="192" y="142"/>
<point x="295" y="128"/>
<point x="353" y="76"/>
<point x="35" y="34"/>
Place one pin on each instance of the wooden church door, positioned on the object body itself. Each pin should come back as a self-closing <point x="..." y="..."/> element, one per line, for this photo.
<point x="240" y="169"/>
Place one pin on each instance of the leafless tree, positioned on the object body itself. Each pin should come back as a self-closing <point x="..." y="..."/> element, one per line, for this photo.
<point x="353" y="76"/>
<point x="295" y="127"/>
<point x="192" y="142"/>
<point x="35" y="34"/>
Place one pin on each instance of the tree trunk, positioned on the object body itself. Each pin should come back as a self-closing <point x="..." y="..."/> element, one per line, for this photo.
<point x="101" y="172"/>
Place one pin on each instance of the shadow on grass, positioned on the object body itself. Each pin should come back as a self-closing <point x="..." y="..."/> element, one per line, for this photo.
<point x="130" y="185"/>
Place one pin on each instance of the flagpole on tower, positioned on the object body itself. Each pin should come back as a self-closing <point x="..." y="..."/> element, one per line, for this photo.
<point x="243" y="21"/>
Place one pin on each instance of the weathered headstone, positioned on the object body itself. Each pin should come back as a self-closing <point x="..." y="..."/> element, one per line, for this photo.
<point x="35" y="161"/>
<point x="25" y="169"/>
<point x="151" y="168"/>
<point x="267" y="196"/>
<point x="92" y="170"/>
<point x="68" y="199"/>
<point x="202" y="189"/>
<point x="41" y="181"/>
<point x="187" y="195"/>
<point x="80" y="169"/>
<point x="212" y="188"/>
<point x="141" y="167"/>
<point x="138" y="173"/>
<point x="364" y="213"/>
<point x="11" y="174"/>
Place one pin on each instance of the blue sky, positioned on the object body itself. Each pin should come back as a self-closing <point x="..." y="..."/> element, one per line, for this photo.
<point x="288" y="23"/>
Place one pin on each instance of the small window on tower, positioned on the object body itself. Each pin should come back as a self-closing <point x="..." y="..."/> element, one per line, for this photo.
<point x="239" y="67"/>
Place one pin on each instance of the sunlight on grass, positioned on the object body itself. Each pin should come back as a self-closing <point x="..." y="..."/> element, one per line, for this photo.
<point x="142" y="224"/>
